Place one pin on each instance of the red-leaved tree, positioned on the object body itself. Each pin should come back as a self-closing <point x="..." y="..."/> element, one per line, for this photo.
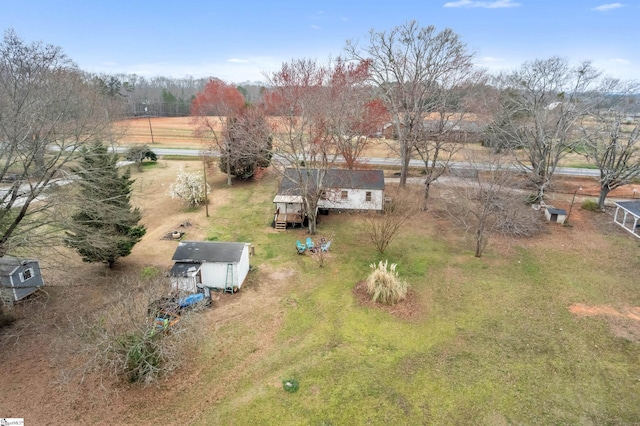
<point x="212" y="109"/>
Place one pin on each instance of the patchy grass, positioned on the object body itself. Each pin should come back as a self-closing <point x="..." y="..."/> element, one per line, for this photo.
<point x="497" y="345"/>
<point x="495" y="342"/>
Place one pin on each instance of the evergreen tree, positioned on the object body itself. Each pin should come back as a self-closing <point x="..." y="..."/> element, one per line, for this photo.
<point x="106" y="226"/>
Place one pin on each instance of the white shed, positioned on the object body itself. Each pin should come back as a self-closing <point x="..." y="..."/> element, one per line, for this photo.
<point x="212" y="264"/>
<point x="555" y="215"/>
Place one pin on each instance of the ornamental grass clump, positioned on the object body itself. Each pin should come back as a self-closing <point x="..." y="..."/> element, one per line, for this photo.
<point x="383" y="284"/>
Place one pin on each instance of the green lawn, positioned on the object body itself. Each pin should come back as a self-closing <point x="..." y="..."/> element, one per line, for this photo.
<point x="496" y="345"/>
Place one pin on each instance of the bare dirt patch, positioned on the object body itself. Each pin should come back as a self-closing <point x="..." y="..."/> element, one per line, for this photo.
<point x="624" y="322"/>
<point x="409" y="309"/>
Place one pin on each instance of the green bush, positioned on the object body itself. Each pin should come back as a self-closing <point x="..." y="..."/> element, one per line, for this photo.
<point x="141" y="356"/>
<point x="383" y="284"/>
<point x="591" y="205"/>
<point x="149" y="272"/>
<point x="290" y="385"/>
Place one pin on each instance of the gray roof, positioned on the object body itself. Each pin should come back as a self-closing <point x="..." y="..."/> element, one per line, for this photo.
<point x="557" y="211"/>
<point x="208" y="251"/>
<point x="8" y="264"/>
<point x="180" y="269"/>
<point x="630" y="206"/>
<point x="334" y="178"/>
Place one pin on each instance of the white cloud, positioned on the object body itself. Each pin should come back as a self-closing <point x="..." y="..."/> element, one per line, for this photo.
<point x="316" y="27"/>
<point x="485" y="4"/>
<point x="620" y="61"/>
<point x="238" y="61"/>
<point x="607" y="7"/>
<point x="490" y="59"/>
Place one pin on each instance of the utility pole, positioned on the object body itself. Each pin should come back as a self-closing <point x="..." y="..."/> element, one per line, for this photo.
<point x="146" y="109"/>
<point x="206" y="198"/>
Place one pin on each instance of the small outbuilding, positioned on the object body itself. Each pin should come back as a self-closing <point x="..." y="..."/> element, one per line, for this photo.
<point x="628" y="216"/>
<point x="220" y="266"/>
<point x="555" y="215"/>
<point x="19" y="278"/>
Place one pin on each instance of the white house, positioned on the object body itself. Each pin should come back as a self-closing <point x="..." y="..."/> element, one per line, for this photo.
<point x="212" y="264"/>
<point x="353" y="190"/>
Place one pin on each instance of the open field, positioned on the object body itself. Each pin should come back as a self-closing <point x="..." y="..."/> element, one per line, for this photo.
<point x="543" y="330"/>
<point x="177" y="132"/>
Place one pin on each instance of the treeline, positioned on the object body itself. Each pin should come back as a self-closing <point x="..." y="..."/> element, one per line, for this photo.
<point x="163" y="96"/>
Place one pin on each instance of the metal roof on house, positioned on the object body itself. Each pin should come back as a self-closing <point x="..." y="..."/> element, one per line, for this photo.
<point x="333" y="178"/>
<point x="208" y="251"/>
<point x="632" y="207"/>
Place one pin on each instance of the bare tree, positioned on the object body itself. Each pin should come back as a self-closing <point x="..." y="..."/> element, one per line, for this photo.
<point x="412" y="68"/>
<point x="48" y="111"/>
<point x="298" y="101"/>
<point x="353" y="115"/>
<point x="613" y="147"/>
<point x="489" y="202"/>
<point x="383" y="228"/>
<point x="445" y="131"/>
<point x="541" y="105"/>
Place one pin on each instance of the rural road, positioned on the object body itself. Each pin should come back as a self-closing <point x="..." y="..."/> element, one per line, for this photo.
<point x="385" y="162"/>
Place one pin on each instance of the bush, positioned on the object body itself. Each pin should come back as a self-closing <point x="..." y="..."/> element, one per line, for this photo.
<point x="290" y="385"/>
<point x="591" y="206"/>
<point x="383" y="284"/>
<point x="149" y="272"/>
<point x="141" y="356"/>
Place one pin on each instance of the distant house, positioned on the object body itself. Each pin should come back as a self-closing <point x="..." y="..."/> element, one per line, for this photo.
<point x="353" y="190"/>
<point x="455" y="127"/>
<point x="628" y="216"/>
<point x="19" y="278"/>
<point x="212" y="264"/>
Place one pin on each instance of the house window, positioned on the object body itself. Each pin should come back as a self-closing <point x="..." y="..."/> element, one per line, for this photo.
<point x="367" y="196"/>
<point x="26" y="274"/>
<point x="344" y="195"/>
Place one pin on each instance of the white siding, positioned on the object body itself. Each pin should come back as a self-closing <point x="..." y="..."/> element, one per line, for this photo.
<point x="214" y="274"/>
<point x="285" y="208"/>
<point x="356" y="200"/>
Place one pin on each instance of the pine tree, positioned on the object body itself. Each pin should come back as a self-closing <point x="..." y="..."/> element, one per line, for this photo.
<point x="106" y="226"/>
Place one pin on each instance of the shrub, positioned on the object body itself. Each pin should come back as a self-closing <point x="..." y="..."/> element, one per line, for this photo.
<point x="384" y="285"/>
<point x="591" y="205"/>
<point x="190" y="187"/>
<point x="290" y="385"/>
<point x="149" y="272"/>
<point x="141" y="356"/>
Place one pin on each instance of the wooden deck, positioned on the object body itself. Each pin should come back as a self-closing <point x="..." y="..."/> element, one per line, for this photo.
<point x="282" y="220"/>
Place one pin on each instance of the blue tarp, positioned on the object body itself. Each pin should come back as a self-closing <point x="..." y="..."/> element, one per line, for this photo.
<point x="190" y="300"/>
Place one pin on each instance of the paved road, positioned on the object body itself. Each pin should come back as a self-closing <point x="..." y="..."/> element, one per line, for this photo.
<point x="386" y="162"/>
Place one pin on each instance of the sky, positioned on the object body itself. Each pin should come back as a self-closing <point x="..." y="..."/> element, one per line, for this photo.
<point x="240" y="41"/>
